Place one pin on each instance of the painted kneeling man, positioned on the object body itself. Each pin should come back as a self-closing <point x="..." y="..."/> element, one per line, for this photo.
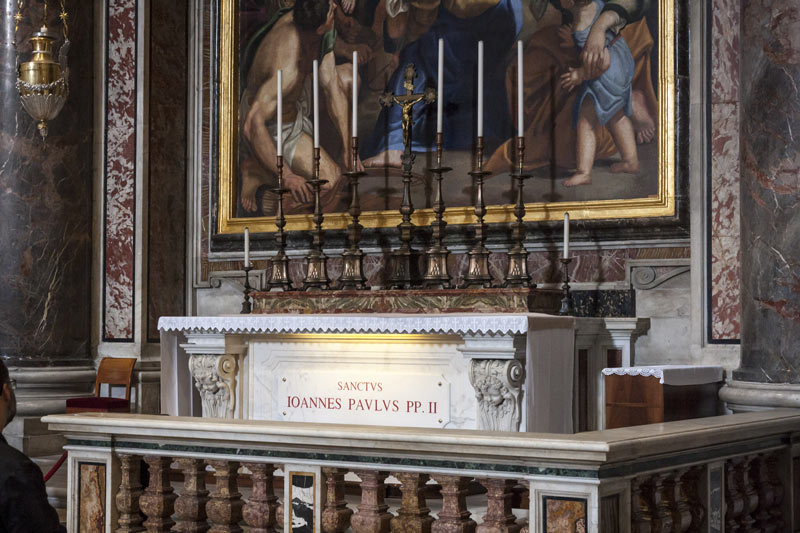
<point x="290" y="42"/>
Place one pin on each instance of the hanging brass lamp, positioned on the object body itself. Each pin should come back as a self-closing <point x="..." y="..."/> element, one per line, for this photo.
<point x="42" y="82"/>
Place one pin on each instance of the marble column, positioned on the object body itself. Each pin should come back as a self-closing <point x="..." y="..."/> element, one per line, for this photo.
<point x="45" y="230"/>
<point x="769" y="372"/>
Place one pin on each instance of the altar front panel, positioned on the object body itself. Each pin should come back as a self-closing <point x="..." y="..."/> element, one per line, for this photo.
<point x="495" y="372"/>
<point x="398" y="380"/>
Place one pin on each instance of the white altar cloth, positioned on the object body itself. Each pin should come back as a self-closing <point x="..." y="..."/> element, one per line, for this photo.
<point x="672" y="374"/>
<point x="541" y="347"/>
<point x="450" y="324"/>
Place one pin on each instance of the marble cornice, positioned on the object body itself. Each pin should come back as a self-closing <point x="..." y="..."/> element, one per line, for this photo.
<point x="600" y="454"/>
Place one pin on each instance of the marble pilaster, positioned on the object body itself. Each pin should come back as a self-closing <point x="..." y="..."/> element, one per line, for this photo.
<point x="770" y="191"/>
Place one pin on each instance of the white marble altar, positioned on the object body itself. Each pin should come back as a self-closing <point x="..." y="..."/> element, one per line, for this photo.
<point x="503" y="372"/>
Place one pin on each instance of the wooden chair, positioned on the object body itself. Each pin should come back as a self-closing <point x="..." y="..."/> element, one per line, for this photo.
<point x="113" y="371"/>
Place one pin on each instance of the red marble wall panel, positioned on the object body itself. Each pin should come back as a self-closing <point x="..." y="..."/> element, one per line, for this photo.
<point x="120" y="171"/>
<point x="723" y="230"/>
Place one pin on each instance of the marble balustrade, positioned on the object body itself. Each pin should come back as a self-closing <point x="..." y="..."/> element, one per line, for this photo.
<point x="730" y="473"/>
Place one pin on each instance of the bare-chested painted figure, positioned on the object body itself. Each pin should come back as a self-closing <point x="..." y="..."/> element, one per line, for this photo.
<point x="291" y="45"/>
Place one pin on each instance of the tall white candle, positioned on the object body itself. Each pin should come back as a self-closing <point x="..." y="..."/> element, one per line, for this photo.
<point x="316" y="103"/>
<point x="280" y="112"/>
<point x="355" y="94"/>
<point x="519" y="89"/>
<point x="246" y="247"/>
<point x="566" y="235"/>
<point x="440" y="87"/>
<point x="480" y="88"/>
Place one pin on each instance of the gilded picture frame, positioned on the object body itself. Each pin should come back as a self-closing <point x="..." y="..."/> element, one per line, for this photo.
<point x="662" y="203"/>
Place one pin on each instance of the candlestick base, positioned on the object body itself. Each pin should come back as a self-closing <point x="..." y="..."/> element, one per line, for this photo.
<point x="352" y="273"/>
<point x="403" y="272"/>
<point x="478" y="270"/>
<point x="517" y="275"/>
<point x="247" y="305"/>
<point x="279" y="281"/>
<point x="567" y="305"/>
<point x="316" y="272"/>
<point x="436" y="274"/>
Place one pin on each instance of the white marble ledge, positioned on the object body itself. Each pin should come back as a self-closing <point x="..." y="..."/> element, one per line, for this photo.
<point x="450" y="324"/>
<point x="590" y="449"/>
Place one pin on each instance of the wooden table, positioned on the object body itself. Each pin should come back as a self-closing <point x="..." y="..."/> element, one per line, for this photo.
<point x="654" y="394"/>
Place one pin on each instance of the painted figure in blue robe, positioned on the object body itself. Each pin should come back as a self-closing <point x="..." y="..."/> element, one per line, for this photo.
<point x="461" y="24"/>
<point x="603" y="98"/>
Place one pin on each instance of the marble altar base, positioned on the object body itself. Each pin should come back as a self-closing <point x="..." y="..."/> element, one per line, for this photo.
<point x="500" y="372"/>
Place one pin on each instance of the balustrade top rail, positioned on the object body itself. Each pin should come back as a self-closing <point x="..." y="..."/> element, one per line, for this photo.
<point x="606" y="453"/>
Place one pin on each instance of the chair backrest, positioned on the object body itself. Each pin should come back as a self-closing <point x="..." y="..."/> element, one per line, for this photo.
<point x="115" y="371"/>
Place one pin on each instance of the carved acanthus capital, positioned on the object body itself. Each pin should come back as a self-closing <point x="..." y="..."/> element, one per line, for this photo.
<point x="498" y="388"/>
<point x="215" y="379"/>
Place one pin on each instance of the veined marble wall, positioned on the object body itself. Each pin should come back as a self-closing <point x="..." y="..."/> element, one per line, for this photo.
<point x="723" y="201"/>
<point x="166" y="267"/>
<point x="45" y="204"/>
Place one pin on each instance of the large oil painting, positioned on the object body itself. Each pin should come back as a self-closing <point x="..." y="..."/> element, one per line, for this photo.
<point x="599" y="128"/>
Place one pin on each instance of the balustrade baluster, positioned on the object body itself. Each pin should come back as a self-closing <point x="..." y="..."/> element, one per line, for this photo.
<point x="373" y="514"/>
<point x="498" y="518"/>
<point x="336" y="515"/>
<point x="279" y="514"/>
<point x="659" y="497"/>
<point x="225" y="507"/>
<point x="260" y="510"/>
<point x="734" y="499"/>
<point x="641" y="514"/>
<point x="525" y="503"/>
<point x="413" y="515"/>
<point x="750" y="493"/>
<point x="190" y="507"/>
<point x="676" y="499"/>
<point x="158" y="500"/>
<point x="691" y="491"/>
<point x="127" y="498"/>
<point x="454" y="516"/>
<point x="775" y="480"/>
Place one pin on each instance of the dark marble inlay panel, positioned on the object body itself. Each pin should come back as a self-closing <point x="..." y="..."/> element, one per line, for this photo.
<point x="45" y="204"/>
<point x="167" y="172"/>
<point x="302" y="500"/>
<point x="770" y="192"/>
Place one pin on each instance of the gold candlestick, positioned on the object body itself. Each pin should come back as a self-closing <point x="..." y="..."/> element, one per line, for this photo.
<point x="316" y="262"/>
<point x="517" y="273"/>
<point x="436" y="274"/>
<point x="478" y="267"/>
<point x="279" y="281"/>
<point x="352" y="268"/>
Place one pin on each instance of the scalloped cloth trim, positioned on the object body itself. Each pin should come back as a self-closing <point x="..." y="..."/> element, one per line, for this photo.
<point x="671" y="374"/>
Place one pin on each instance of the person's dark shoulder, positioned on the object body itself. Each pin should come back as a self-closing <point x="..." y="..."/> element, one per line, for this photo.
<point x="23" y="497"/>
<point x="14" y="462"/>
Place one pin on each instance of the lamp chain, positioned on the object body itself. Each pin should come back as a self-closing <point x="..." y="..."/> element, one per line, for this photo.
<point x="17" y="20"/>
<point x="63" y="16"/>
